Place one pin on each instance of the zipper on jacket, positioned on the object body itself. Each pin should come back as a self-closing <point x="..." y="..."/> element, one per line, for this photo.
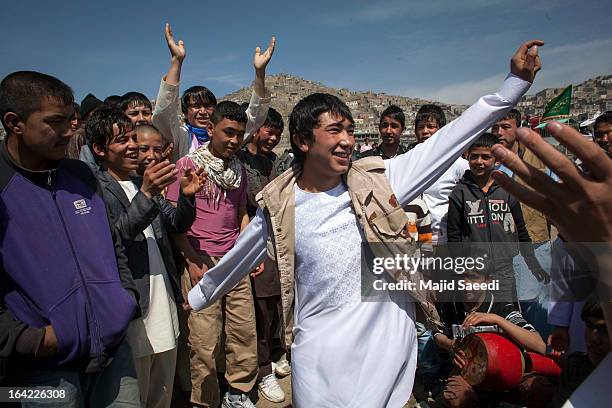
<point x="96" y="342"/>
<point x="489" y="235"/>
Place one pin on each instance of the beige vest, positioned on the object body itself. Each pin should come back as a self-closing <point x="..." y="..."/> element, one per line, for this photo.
<point x="535" y="221"/>
<point x="379" y="213"/>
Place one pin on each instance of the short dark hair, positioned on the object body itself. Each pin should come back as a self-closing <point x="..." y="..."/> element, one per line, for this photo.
<point x="112" y="100"/>
<point x="591" y="310"/>
<point x="605" y="117"/>
<point x="132" y="99"/>
<point x="305" y="117"/>
<point x="430" y="112"/>
<point x="22" y="92"/>
<point x="228" y="110"/>
<point x="99" y="127"/>
<point x="485" y="140"/>
<point x="274" y="120"/>
<point x="197" y="94"/>
<point x="395" y="113"/>
<point x="513" y="114"/>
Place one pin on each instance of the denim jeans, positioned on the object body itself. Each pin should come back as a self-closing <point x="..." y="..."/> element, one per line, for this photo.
<point x="115" y="386"/>
<point x="428" y="363"/>
<point x="533" y="295"/>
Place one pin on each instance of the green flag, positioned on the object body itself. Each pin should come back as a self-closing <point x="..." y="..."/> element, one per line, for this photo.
<point x="559" y="105"/>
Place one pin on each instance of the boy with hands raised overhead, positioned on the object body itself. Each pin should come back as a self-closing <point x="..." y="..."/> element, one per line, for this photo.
<point x="198" y="102"/>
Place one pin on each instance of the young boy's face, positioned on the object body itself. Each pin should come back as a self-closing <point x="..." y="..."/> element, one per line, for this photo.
<point x="149" y="148"/>
<point x="472" y="277"/>
<point x="226" y="138"/>
<point x="121" y="154"/>
<point x="481" y="161"/>
<point x="390" y="130"/>
<point x="424" y="130"/>
<point x="330" y="153"/>
<point x="75" y="121"/>
<point x="267" y="138"/>
<point x="505" y="129"/>
<point x="198" y="114"/>
<point x="139" y="114"/>
<point x="46" y="132"/>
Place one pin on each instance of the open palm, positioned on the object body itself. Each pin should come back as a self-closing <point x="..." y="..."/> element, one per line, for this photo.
<point x="176" y="50"/>
<point x="260" y="60"/>
<point x="192" y="181"/>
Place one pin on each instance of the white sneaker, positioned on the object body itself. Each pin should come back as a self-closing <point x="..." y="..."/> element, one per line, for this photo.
<point x="270" y="389"/>
<point x="243" y="401"/>
<point x="282" y="368"/>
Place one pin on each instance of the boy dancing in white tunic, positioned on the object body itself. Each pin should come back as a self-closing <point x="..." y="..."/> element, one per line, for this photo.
<point x="314" y="219"/>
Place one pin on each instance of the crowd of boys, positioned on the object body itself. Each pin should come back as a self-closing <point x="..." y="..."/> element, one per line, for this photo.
<point x="113" y="211"/>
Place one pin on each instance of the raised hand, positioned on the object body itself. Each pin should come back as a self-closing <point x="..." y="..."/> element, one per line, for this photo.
<point x="167" y="153"/>
<point x="176" y="50"/>
<point x="157" y="176"/>
<point x="525" y="63"/>
<point x="260" y="61"/>
<point x="581" y="205"/>
<point x="192" y="181"/>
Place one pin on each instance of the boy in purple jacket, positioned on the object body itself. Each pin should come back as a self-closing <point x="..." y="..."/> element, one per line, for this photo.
<point x="66" y="292"/>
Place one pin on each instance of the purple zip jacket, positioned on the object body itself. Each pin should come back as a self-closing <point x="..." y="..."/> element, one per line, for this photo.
<point x="60" y="265"/>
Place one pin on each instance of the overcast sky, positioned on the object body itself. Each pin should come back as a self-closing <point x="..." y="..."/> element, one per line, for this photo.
<point x="450" y="51"/>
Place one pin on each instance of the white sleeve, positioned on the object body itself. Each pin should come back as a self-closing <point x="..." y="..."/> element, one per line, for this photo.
<point x="249" y="251"/>
<point x="412" y="172"/>
<point x="561" y="269"/>
<point x="256" y="114"/>
<point x="460" y="166"/>
<point x="166" y="119"/>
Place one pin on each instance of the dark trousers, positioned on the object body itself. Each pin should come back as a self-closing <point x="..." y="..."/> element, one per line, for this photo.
<point x="267" y="320"/>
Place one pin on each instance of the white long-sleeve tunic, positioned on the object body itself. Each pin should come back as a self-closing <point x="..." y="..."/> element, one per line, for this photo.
<point x="349" y="353"/>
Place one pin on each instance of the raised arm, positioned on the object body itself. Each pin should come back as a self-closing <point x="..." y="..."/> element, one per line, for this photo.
<point x="177" y="53"/>
<point x="259" y="104"/>
<point x="167" y="104"/>
<point x="245" y="256"/>
<point x="416" y="170"/>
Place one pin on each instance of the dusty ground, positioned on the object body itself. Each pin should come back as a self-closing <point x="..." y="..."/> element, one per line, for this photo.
<point x="285" y="384"/>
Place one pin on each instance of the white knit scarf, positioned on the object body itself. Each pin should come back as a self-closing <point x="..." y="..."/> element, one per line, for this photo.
<point x="220" y="178"/>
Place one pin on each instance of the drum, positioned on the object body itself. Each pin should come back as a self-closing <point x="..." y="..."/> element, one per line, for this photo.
<point x="493" y="362"/>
